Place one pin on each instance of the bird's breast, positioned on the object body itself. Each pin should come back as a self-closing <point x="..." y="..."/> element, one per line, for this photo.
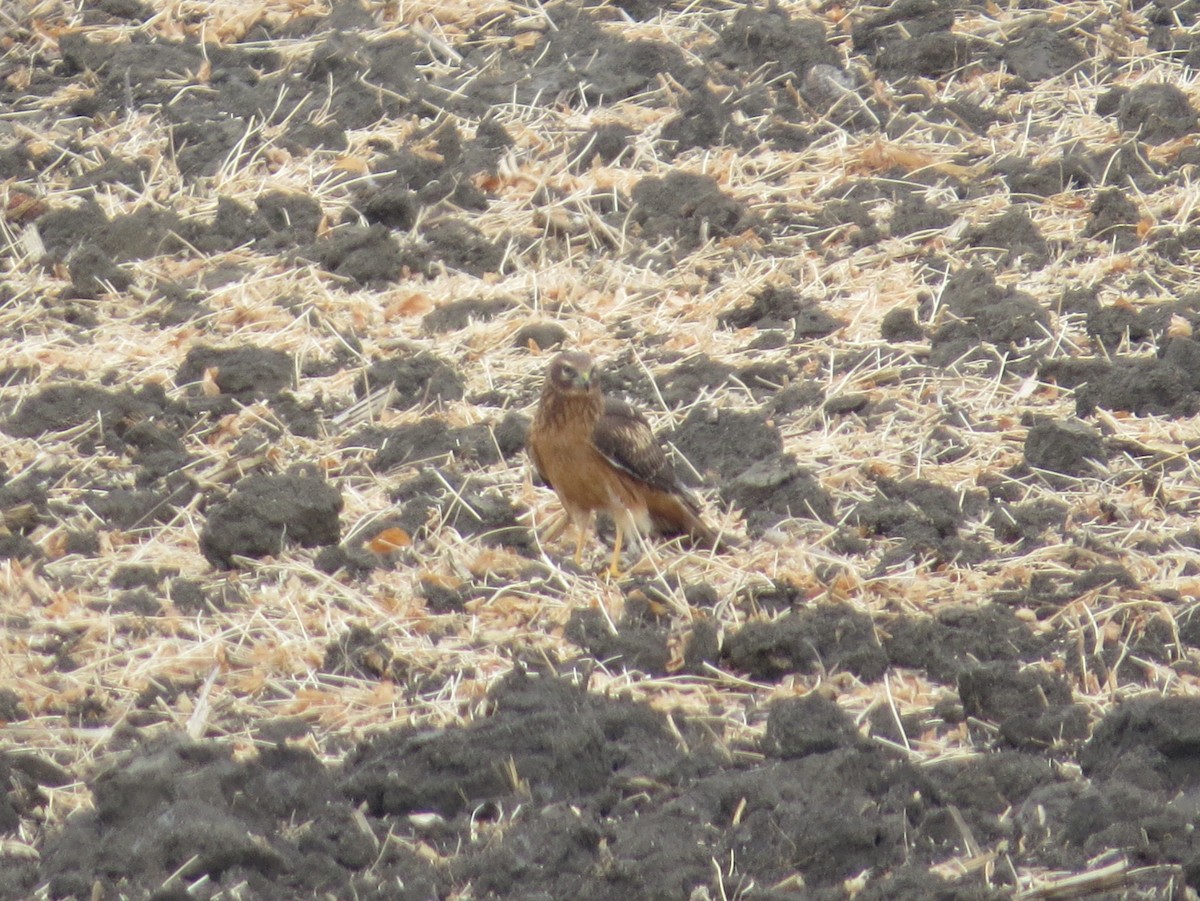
<point x="561" y="441"/>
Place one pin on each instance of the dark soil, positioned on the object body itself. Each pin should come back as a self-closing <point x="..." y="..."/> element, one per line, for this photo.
<point x="596" y="796"/>
<point x="265" y="511"/>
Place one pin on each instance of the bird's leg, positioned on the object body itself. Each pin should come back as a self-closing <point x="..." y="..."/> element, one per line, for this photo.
<point x="583" y="525"/>
<point x="581" y="534"/>
<point x="628" y="532"/>
<point x="614" y="568"/>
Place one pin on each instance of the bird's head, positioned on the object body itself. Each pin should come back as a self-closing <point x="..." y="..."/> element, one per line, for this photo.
<point x="572" y="373"/>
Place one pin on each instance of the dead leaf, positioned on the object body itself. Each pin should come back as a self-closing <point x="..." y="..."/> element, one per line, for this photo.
<point x="389" y="540"/>
<point x="23" y="208"/>
<point x="408" y="305"/>
<point x="355" y="165"/>
<point x="208" y="382"/>
<point x="880" y="156"/>
<point x="526" y="39"/>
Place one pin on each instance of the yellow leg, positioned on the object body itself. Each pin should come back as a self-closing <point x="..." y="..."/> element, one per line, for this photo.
<point x="583" y="525"/>
<point x="614" y="568"/>
<point x="579" y="544"/>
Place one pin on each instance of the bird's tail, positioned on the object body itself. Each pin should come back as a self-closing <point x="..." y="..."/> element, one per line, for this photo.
<point x="673" y="515"/>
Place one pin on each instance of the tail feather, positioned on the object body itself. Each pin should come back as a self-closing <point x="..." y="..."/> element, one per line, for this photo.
<point x="674" y="515"/>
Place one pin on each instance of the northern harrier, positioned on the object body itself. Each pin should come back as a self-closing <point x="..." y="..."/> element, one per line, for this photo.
<point x="599" y="453"/>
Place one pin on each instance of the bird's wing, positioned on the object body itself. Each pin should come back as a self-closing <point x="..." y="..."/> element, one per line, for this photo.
<point x="538" y="466"/>
<point x="624" y="439"/>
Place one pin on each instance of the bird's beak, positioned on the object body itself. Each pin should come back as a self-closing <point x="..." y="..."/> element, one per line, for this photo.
<point x="585" y="378"/>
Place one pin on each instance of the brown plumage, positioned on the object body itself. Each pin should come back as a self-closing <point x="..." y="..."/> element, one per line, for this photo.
<point x="600" y="454"/>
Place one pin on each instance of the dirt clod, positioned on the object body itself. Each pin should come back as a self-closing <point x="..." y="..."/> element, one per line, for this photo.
<point x="267" y="512"/>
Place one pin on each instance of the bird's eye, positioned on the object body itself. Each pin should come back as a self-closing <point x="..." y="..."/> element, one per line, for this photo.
<point x="568" y="372"/>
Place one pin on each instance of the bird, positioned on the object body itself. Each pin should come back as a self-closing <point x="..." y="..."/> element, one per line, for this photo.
<point x="599" y="454"/>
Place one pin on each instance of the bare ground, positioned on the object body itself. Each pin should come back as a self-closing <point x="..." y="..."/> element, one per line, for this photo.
<point x="907" y="288"/>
